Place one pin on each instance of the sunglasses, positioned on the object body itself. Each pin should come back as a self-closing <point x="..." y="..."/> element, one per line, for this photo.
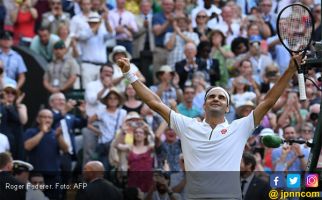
<point x="201" y="16"/>
<point x="10" y="92"/>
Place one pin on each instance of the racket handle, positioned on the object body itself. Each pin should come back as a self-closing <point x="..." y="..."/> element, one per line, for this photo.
<point x="301" y="83"/>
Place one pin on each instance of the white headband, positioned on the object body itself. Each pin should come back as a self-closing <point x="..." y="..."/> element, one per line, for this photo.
<point x="221" y="89"/>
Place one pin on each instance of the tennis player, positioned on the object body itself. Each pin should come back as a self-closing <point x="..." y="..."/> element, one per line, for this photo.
<point x="212" y="147"/>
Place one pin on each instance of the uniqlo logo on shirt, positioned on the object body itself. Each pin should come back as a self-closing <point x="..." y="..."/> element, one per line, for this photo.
<point x="223" y="131"/>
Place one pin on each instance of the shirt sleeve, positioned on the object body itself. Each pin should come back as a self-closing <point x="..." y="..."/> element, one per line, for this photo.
<point x="179" y="122"/>
<point x="245" y="125"/>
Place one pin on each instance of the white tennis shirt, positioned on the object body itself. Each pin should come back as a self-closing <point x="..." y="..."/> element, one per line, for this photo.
<point x="212" y="156"/>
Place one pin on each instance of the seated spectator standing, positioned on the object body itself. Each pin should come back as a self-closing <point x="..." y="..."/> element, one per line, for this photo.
<point x="43" y="43"/>
<point x="42" y="145"/>
<point x="109" y="120"/>
<point x="93" y="38"/>
<point x="55" y="16"/>
<point x="123" y="22"/>
<point x="24" y="19"/>
<point x="14" y="66"/>
<point x="62" y="71"/>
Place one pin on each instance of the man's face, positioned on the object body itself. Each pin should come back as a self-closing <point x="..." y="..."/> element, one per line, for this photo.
<point x="170" y="135"/>
<point x="58" y="102"/>
<point x="44" y="36"/>
<point x="227" y="14"/>
<point x="60" y="53"/>
<point x="307" y="133"/>
<point x="146" y="8"/>
<point x="189" y="94"/>
<point x="45" y="117"/>
<point x="106" y="72"/>
<point x="289" y="133"/>
<point x="216" y="101"/>
<point x="37" y="181"/>
<point x="190" y="51"/>
<point x="266" y="6"/>
<point x="120" y="4"/>
<point x="6" y="43"/>
<point x="56" y="5"/>
<point x="86" y="6"/>
<point x="167" y="6"/>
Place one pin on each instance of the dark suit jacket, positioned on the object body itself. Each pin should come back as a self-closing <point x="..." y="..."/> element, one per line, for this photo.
<point x="99" y="189"/>
<point x="10" y="194"/>
<point x="179" y="67"/>
<point x="258" y="189"/>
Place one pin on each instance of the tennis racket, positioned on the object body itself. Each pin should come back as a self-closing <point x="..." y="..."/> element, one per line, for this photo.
<point x="295" y="28"/>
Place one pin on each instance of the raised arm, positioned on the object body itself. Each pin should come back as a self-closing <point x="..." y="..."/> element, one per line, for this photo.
<point x="147" y="96"/>
<point x="276" y="91"/>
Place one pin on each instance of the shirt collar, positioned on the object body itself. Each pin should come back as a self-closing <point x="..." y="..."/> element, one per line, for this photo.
<point x="225" y="123"/>
<point x="9" y="53"/>
<point x="249" y="178"/>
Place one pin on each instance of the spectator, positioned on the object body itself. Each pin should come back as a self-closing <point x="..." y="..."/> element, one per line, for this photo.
<point x="14" y="66"/>
<point x="24" y="18"/>
<point x="55" y="17"/>
<point x="314" y="114"/>
<point x="42" y="145"/>
<point x="243" y="108"/>
<point x="13" y="100"/>
<point x="230" y="28"/>
<point x="117" y="53"/>
<point x="179" y="7"/>
<point x="140" y="158"/>
<point x="144" y="37"/>
<point x="307" y="132"/>
<point x="43" y="43"/>
<point x="4" y="79"/>
<point x="162" y="23"/>
<point x="240" y="91"/>
<point x="175" y="41"/>
<point x="132" y="103"/>
<point x="70" y="42"/>
<point x="186" y="107"/>
<point x="167" y="88"/>
<point x="169" y="149"/>
<point x="212" y="10"/>
<point x="21" y="171"/>
<point x="37" y="180"/>
<point x="109" y="121"/>
<point x="98" y="188"/>
<point x="269" y="17"/>
<point x="62" y="71"/>
<point x="270" y="77"/>
<point x="6" y="165"/>
<point x="200" y="85"/>
<point x="221" y="52"/>
<point x="93" y="93"/>
<point x="99" y="6"/>
<point x="317" y="22"/>
<point x="123" y="22"/>
<point x="246" y="5"/>
<point x="93" y="39"/>
<point x="211" y="70"/>
<point x="188" y="66"/>
<point x="201" y="25"/>
<point x="160" y="189"/>
<point x="246" y="70"/>
<point x="291" y="157"/>
<point x="251" y="185"/>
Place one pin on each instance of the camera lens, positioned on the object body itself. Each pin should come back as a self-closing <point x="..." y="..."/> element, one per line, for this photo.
<point x="314" y="116"/>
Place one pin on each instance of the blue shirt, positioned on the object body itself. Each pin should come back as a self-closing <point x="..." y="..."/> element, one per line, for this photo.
<point x="13" y="64"/>
<point x="189" y="112"/>
<point x="44" y="156"/>
<point x="159" y="19"/>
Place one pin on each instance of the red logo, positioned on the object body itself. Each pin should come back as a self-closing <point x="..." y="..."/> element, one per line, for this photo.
<point x="224" y="131"/>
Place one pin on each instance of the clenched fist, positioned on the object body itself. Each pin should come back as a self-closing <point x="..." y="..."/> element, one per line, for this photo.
<point x="124" y="64"/>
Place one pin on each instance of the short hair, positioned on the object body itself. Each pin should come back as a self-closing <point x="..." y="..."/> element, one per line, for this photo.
<point x="202" y="45"/>
<point x="249" y="158"/>
<point x="44" y="28"/>
<point x="216" y="31"/>
<point x="110" y="65"/>
<point x="5" y="158"/>
<point x="237" y="41"/>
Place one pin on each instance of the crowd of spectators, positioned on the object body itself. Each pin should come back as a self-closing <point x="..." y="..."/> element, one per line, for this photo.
<point x="110" y="133"/>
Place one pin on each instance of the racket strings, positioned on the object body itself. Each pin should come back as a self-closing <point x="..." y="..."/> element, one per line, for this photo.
<point x="295" y="27"/>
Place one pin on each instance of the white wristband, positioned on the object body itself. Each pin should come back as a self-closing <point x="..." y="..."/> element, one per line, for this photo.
<point x="130" y="76"/>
